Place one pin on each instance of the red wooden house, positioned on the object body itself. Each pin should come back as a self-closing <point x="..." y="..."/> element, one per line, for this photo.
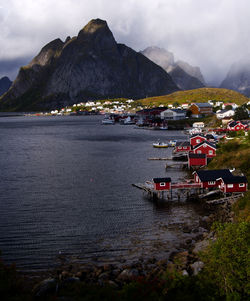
<point x="196" y="139"/>
<point x="237" y="125"/>
<point x="162" y="183"/>
<point x="232" y="184"/>
<point x="182" y="147"/>
<point x="208" y="178"/>
<point x="205" y="147"/>
<point x="197" y="160"/>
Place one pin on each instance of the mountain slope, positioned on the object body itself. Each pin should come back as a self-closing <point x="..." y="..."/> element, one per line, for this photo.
<point x="184" y="75"/>
<point x="197" y="95"/>
<point x="5" y="84"/>
<point x="89" y="66"/>
<point x="238" y="78"/>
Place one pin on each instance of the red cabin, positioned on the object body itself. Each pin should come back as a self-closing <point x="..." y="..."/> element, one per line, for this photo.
<point x="182" y="147"/>
<point x="208" y="178"/>
<point x="207" y="148"/>
<point x="232" y="184"/>
<point x="196" y="139"/>
<point x="197" y="160"/>
<point x="162" y="183"/>
<point x="237" y="126"/>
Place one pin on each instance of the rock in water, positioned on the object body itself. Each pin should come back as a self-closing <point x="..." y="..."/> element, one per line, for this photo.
<point x="89" y="66"/>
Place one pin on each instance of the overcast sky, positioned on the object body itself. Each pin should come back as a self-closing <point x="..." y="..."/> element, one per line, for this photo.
<point x="211" y="34"/>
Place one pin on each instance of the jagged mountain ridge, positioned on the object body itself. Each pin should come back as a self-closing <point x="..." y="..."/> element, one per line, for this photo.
<point x="5" y="84"/>
<point x="184" y="75"/>
<point x="238" y="78"/>
<point x="91" y="65"/>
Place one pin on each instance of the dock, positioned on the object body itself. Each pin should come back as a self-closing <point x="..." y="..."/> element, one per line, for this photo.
<point x="181" y="190"/>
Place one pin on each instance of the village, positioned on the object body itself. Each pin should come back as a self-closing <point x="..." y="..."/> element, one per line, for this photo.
<point x="194" y="155"/>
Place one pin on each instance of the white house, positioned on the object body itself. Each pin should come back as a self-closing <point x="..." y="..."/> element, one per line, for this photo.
<point x="173" y="114"/>
<point x="224" y="113"/>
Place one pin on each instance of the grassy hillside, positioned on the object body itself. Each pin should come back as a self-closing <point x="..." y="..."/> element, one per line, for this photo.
<point x="197" y="95"/>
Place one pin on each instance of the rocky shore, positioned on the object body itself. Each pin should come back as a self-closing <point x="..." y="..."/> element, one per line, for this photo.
<point x="186" y="261"/>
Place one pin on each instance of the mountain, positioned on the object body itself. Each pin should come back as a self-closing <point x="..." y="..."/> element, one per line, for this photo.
<point x="184" y="75"/>
<point x="89" y="66"/>
<point x="192" y="71"/>
<point x="5" y="84"/>
<point x="197" y="95"/>
<point x="238" y="78"/>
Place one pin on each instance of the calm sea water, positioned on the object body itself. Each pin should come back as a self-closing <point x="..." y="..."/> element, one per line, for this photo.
<point x="65" y="187"/>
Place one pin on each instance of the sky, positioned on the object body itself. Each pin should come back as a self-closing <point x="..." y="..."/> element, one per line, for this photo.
<point x="211" y="34"/>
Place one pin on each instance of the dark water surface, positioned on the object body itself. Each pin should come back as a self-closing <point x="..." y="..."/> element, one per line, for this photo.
<point x="65" y="187"/>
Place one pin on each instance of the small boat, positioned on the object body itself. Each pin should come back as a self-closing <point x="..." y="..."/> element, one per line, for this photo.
<point x="128" y="121"/>
<point x="108" y="121"/>
<point x="172" y="143"/>
<point x="160" y="145"/>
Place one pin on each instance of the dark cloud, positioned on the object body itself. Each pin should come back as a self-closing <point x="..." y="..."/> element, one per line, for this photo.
<point x="211" y="34"/>
<point x="10" y="67"/>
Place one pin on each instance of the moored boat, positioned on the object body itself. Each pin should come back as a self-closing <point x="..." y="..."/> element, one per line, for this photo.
<point x="108" y="121"/>
<point x="160" y="144"/>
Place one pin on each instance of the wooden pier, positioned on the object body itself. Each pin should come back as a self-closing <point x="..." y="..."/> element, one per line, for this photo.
<point x="182" y="190"/>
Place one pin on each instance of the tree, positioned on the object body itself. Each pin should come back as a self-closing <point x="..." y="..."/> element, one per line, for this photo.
<point x="228" y="107"/>
<point x="241" y="113"/>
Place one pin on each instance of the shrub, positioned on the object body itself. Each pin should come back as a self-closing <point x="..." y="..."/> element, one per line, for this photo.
<point x="227" y="260"/>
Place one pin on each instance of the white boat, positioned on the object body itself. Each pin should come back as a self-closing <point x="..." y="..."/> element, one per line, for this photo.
<point x="108" y="121"/>
<point x="172" y="143"/>
<point x="128" y="121"/>
<point x="160" y="144"/>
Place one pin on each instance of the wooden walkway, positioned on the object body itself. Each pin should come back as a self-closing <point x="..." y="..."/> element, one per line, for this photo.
<point x="230" y="199"/>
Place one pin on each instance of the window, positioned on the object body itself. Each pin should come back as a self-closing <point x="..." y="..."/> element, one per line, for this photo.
<point x="230" y="185"/>
<point x="162" y="184"/>
<point x="198" y="140"/>
<point x="211" y="182"/>
<point x="199" y="152"/>
<point x="241" y="185"/>
<point x="210" y="152"/>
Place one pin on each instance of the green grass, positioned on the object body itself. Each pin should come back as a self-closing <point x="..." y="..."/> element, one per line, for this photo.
<point x="197" y="95"/>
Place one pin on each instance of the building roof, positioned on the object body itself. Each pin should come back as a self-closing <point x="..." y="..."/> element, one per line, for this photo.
<point x="179" y="111"/>
<point x="213" y="175"/>
<point x="197" y="135"/>
<point x="160" y="180"/>
<point x="182" y="143"/>
<point x="203" y="105"/>
<point x="210" y="136"/>
<point x="224" y="111"/>
<point x="234" y="179"/>
<point x="207" y="142"/>
<point x="198" y="156"/>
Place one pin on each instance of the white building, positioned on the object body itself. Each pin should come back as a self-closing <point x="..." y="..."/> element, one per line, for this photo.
<point x="173" y="114"/>
<point x="224" y="113"/>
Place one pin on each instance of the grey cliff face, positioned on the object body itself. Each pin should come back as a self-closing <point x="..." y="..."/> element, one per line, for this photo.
<point x="184" y="80"/>
<point x="5" y="84"/>
<point x="89" y="66"/>
<point x="238" y="78"/>
<point x="192" y="71"/>
<point x="184" y="75"/>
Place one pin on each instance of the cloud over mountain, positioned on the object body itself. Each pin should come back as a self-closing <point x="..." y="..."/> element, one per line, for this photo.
<point x="211" y="34"/>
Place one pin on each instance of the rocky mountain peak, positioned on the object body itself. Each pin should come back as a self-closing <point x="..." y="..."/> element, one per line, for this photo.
<point x="160" y="56"/>
<point x="191" y="70"/>
<point x="184" y="75"/>
<point x="48" y="52"/>
<point x="89" y="66"/>
<point x="238" y="77"/>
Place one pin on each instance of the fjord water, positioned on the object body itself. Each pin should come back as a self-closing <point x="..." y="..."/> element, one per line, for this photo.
<point x="65" y="188"/>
